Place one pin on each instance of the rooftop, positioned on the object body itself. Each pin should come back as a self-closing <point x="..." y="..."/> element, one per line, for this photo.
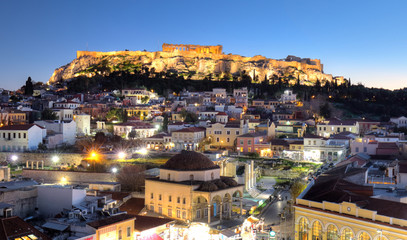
<point x="111" y="220"/>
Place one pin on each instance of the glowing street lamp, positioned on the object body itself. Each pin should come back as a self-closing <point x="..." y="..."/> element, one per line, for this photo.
<point x="55" y="159"/>
<point x="121" y="155"/>
<point x="93" y="154"/>
<point x="114" y="170"/>
<point x="143" y="151"/>
<point x="14" y="158"/>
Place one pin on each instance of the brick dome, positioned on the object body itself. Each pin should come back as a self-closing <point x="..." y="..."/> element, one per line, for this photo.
<point x="189" y="161"/>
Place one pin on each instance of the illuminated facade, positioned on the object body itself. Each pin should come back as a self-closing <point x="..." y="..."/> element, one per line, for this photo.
<point x="337" y="206"/>
<point x="190" y="188"/>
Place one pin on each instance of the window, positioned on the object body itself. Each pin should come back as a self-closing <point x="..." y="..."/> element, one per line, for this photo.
<point x="160" y="210"/>
<point x="241" y="142"/>
<point x="152" y="195"/>
<point x="344" y="129"/>
<point x="169" y="177"/>
<point x="184" y="215"/>
<point x="19" y="135"/>
<point x="309" y="142"/>
<point x="364" y="236"/>
<point x="324" y="128"/>
<point x="120" y="234"/>
<point x="152" y="208"/>
<point x="347" y="234"/>
<point x="316" y="231"/>
<point x="357" y="149"/>
<point x="227" y="140"/>
<point x="212" y="176"/>
<point x="128" y="231"/>
<point x="228" y="132"/>
<point x="184" y="201"/>
<point x="332" y="233"/>
<point x="217" y="139"/>
<point x="178" y="213"/>
<point x="303" y="229"/>
<point x="25" y="135"/>
<point x="249" y="142"/>
<point x="4" y="135"/>
<point x="315" y="142"/>
<point x="237" y="132"/>
<point x="320" y="128"/>
<point x="169" y="198"/>
<point x="14" y="135"/>
<point x="198" y="213"/>
<point x="169" y="212"/>
<point x="191" y="177"/>
<point x="364" y="149"/>
<point x="159" y="197"/>
<point x="178" y="200"/>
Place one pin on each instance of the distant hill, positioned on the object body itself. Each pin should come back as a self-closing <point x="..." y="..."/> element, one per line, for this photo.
<point x="195" y="66"/>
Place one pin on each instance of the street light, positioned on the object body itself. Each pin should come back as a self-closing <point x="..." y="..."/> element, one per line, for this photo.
<point x="121" y="155"/>
<point x="114" y="170"/>
<point x="14" y="158"/>
<point x="379" y="231"/>
<point x="143" y="151"/>
<point x="55" y="159"/>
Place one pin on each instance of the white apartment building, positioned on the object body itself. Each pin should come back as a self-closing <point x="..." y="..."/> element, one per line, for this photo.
<point x="288" y="96"/>
<point x="142" y="129"/>
<point x="136" y="96"/>
<point x="317" y="148"/>
<point x="18" y="138"/>
<point x="335" y="126"/>
<point x="188" y="138"/>
<point x="400" y="121"/>
<point x="64" y="114"/>
<point x="66" y="128"/>
<point x="82" y="124"/>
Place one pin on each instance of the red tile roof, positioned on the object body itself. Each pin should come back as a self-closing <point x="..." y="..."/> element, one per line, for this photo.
<point x="133" y="206"/>
<point x="22" y="127"/>
<point x="191" y="129"/>
<point x="111" y="220"/>
<point x="145" y="222"/>
<point x="15" y="227"/>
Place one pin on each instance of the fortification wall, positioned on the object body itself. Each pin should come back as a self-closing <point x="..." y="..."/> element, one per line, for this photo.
<point x="65" y="158"/>
<point x="190" y="54"/>
<point x="67" y="177"/>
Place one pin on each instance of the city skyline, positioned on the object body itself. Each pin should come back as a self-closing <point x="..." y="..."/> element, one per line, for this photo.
<point x="354" y="40"/>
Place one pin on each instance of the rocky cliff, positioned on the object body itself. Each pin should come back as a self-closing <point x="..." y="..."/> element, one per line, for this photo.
<point x="193" y="65"/>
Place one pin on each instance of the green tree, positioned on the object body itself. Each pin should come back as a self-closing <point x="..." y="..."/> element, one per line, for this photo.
<point x="100" y="137"/>
<point x="42" y="147"/>
<point x="132" y="135"/>
<point x="145" y="99"/>
<point x="29" y="89"/>
<point x="48" y="114"/>
<point x="115" y="113"/>
<point x="131" y="177"/>
<point x="325" y="110"/>
<point x="165" y="122"/>
<point x="297" y="188"/>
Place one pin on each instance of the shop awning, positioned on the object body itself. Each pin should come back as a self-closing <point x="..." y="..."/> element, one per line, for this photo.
<point x="252" y="219"/>
<point x="55" y="226"/>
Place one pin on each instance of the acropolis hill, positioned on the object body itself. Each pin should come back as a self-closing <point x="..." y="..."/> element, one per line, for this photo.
<point x="193" y="62"/>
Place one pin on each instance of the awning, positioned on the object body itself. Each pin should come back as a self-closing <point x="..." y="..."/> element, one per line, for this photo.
<point x="252" y="219"/>
<point x="153" y="236"/>
<point x="55" y="226"/>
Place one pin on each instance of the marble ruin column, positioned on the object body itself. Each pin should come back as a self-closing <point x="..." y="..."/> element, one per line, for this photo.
<point x="209" y="213"/>
<point x="32" y="164"/>
<point x="230" y="208"/>
<point x="26" y="164"/>
<point x="241" y="205"/>
<point x="221" y="210"/>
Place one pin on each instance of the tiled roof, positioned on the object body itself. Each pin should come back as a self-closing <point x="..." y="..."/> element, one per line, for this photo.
<point x="111" y="220"/>
<point x="191" y="129"/>
<point x="15" y="227"/>
<point x="145" y="222"/>
<point x="255" y="134"/>
<point x="133" y="206"/>
<point x="22" y="127"/>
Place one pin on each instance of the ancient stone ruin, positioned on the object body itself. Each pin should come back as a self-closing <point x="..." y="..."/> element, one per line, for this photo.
<point x="192" y="48"/>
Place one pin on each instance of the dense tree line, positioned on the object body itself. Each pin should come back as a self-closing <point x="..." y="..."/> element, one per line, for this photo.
<point x="357" y="100"/>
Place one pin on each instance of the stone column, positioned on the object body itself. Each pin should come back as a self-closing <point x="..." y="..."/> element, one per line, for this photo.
<point x="309" y="231"/>
<point x="209" y="214"/>
<point x="36" y="163"/>
<point x="241" y="206"/>
<point x="324" y="235"/>
<point x="230" y="208"/>
<point x="32" y="164"/>
<point x="42" y="164"/>
<point x="221" y="210"/>
<point x="26" y="164"/>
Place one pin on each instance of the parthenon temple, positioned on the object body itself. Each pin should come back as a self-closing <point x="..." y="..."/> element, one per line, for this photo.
<point x="192" y="48"/>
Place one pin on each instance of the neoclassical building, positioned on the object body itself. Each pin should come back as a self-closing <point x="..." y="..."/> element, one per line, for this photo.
<point x="190" y="188"/>
<point x="338" y="206"/>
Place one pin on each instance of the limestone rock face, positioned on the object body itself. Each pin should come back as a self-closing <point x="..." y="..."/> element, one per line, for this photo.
<point x="195" y="66"/>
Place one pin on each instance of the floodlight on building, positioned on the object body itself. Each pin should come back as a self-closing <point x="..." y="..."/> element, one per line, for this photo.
<point x="14" y="158"/>
<point x="55" y="159"/>
<point x="114" y="170"/>
<point x="121" y="155"/>
<point x="143" y="151"/>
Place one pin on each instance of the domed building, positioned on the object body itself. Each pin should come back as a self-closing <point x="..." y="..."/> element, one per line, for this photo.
<point x="190" y="188"/>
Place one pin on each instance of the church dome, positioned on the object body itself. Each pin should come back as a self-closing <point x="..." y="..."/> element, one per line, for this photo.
<point x="189" y="161"/>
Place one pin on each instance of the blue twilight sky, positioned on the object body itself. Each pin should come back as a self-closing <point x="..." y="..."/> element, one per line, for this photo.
<point x="363" y="40"/>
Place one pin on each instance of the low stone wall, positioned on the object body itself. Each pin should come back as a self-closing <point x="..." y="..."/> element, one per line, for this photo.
<point x="67" y="177"/>
<point x="64" y="158"/>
